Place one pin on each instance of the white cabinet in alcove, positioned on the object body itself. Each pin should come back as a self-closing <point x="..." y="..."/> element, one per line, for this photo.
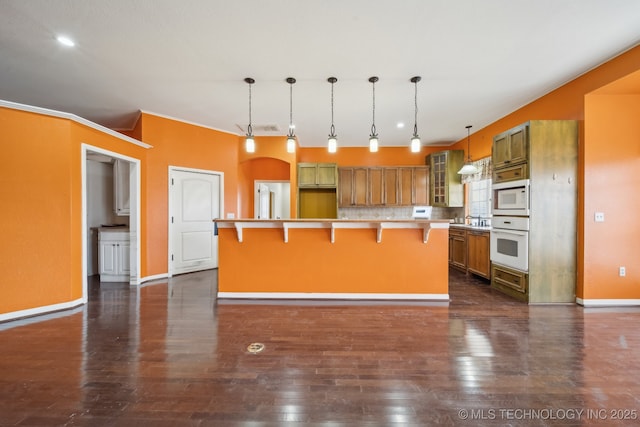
<point x="121" y="187"/>
<point x="113" y="255"/>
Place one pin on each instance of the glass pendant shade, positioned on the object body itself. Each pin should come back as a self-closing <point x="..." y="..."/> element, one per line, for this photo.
<point x="250" y="144"/>
<point x="291" y="144"/>
<point x="373" y="144"/>
<point x="332" y="144"/>
<point x="468" y="169"/>
<point x="415" y="144"/>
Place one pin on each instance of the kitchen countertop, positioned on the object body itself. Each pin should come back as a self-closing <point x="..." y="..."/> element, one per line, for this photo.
<point x="470" y="227"/>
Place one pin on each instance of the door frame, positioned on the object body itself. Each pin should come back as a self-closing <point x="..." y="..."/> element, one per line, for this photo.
<point x="170" y="203"/>
<point x="134" y="214"/>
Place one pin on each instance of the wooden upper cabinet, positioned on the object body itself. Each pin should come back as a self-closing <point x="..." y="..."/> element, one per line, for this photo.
<point x="345" y="187"/>
<point x="352" y="187"/>
<point x="446" y="189"/>
<point x="317" y="175"/>
<point x="391" y="186"/>
<point x="360" y="180"/>
<point x="327" y="174"/>
<point x="406" y="191"/>
<point x="307" y="174"/>
<point x="376" y="186"/>
<point x="420" y="186"/>
<point x="511" y="147"/>
<point x="383" y="186"/>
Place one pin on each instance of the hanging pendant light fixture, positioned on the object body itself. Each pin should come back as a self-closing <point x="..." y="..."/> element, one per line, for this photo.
<point x="415" y="139"/>
<point x="333" y="138"/>
<point x="468" y="168"/>
<point x="373" y="138"/>
<point x="291" y="137"/>
<point x="249" y="142"/>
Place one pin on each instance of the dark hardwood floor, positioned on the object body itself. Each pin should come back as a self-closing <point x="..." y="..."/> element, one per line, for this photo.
<point x="169" y="354"/>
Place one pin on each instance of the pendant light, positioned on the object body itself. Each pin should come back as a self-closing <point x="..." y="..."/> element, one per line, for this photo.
<point x="249" y="142"/>
<point x="415" y="139"/>
<point x="373" y="138"/>
<point x="291" y="137"/>
<point x="333" y="138"/>
<point x="468" y="168"/>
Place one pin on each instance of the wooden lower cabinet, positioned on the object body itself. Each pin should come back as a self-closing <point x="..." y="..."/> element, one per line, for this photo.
<point x="509" y="281"/>
<point x="469" y="251"/>
<point x="478" y="256"/>
<point x="458" y="248"/>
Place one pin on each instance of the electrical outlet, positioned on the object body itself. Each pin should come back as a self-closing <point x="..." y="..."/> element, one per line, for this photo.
<point x="599" y="217"/>
<point x="622" y="271"/>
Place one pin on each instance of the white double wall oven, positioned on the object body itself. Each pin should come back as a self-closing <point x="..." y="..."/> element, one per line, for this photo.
<point x="510" y="224"/>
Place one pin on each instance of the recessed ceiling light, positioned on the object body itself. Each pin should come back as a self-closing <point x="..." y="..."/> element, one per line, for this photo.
<point x="66" y="41"/>
<point x="400" y="125"/>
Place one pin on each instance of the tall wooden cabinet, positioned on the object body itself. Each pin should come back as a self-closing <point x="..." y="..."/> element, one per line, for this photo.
<point x="446" y="187"/>
<point x="545" y="152"/>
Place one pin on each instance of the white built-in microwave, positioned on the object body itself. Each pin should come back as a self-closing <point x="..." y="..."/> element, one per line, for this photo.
<point x="511" y="198"/>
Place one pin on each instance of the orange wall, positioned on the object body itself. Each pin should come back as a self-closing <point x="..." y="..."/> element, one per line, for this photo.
<point x="40" y="219"/>
<point x="612" y="156"/>
<point x="179" y="144"/>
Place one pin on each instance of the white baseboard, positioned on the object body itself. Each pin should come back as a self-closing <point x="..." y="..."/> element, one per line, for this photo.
<point x="607" y="302"/>
<point x="320" y="295"/>
<point x="154" y="277"/>
<point x="40" y="310"/>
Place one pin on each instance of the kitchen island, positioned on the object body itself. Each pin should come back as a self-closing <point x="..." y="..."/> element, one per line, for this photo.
<point x="333" y="259"/>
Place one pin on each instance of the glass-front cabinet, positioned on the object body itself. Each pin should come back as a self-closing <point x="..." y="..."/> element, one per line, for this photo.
<point x="445" y="186"/>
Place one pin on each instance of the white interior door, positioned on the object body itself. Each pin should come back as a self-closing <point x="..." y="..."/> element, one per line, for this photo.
<point x="195" y="202"/>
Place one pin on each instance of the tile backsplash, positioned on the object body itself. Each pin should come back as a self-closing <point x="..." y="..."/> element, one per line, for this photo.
<point x="401" y="212"/>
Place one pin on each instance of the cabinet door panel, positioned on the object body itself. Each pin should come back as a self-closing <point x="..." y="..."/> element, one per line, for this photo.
<point x="108" y="258"/>
<point x="376" y="186"/>
<point x="518" y="145"/>
<point x="124" y="264"/>
<point x="326" y="175"/>
<point x="360" y="186"/>
<point x="306" y="175"/>
<point x="391" y="188"/>
<point x="420" y="186"/>
<point x="478" y="254"/>
<point x="500" y="150"/>
<point x="345" y="187"/>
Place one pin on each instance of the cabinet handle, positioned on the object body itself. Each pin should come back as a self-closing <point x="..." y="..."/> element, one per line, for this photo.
<point x="516" y="280"/>
<point x="499" y="176"/>
<point x="517" y="173"/>
<point x="507" y="161"/>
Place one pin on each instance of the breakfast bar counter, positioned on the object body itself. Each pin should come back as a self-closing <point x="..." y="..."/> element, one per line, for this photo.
<point x="333" y="259"/>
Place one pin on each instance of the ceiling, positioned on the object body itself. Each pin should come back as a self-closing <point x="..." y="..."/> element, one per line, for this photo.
<point x="479" y="60"/>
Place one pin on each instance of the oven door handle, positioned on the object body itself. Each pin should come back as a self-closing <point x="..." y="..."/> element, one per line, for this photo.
<point x="514" y="232"/>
